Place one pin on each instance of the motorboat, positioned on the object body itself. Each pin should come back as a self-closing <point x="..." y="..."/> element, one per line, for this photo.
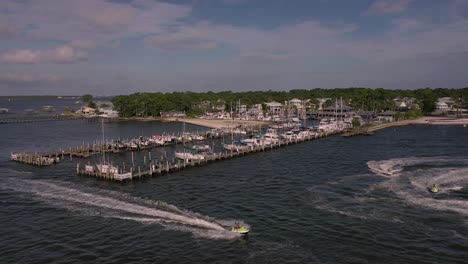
<point x="240" y="229"/>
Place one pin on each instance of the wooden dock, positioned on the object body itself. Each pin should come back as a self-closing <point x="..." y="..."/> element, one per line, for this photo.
<point x="158" y="168"/>
<point x="86" y="150"/>
<point x="358" y="133"/>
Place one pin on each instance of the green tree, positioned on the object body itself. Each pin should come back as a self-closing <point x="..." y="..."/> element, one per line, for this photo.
<point x="356" y="123"/>
<point x="87" y="98"/>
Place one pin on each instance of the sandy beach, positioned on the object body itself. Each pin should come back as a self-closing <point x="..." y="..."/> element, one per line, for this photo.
<point x="425" y="120"/>
<point x="217" y="123"/>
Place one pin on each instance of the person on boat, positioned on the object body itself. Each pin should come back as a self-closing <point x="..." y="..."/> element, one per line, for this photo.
<point x="236" y="225"/>
<point x="434" y="188"/>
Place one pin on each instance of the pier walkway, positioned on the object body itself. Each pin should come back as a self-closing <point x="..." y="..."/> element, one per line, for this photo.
<point x="157" y="168"/>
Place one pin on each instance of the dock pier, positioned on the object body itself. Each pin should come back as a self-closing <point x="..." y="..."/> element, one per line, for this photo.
<point x="161" y="168"/>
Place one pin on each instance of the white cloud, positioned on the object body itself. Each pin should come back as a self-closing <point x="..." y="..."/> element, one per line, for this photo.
<point x="298" y="38"/>
<point x="388" y="7"/>
<point x="26" y="78"/>
<point x="101" y="22"/>
<point x="83" y="44"/>
<point x="62" y="54"/>
<point x="180" y="41"/>
<point x="407" y="24"/>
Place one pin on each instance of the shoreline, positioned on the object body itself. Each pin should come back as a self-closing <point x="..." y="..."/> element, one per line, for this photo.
<point x="425" y="120"/>
<point x="216" y="123"/>
<point x="227" y="123"/>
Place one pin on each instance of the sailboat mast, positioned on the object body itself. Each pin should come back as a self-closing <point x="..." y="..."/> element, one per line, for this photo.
<point x="304" y="115"/>
<point x="336" y="109"/>
<point x="103" y="143"/>
<point x="341" y="107"/>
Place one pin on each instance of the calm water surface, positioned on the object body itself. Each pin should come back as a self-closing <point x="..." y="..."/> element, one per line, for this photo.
<point x="333" y="200"/>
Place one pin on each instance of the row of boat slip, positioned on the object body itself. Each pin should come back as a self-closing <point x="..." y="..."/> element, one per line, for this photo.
<point x="194" y="153"/>
<point x="166" y="139"/>
<point x="272" y="137"/>
<point x="156" y="140"/>
<point x="197" y="155"/>
<point x="34" y="159"/>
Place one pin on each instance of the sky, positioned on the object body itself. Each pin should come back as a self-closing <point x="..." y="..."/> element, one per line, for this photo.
<point x="73" y="47"/>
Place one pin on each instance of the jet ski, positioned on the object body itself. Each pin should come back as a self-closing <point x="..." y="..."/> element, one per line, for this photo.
<point x="240" y="229"/>
<point x="434" y="189"/>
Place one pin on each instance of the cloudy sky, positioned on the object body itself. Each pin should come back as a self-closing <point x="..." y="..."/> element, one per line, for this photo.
<point x="124" y="46"/>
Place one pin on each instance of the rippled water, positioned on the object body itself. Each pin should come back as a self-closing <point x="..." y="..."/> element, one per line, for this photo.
<point x="333" y="200"/>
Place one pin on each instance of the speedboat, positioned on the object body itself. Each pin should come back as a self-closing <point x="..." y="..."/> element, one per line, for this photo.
<point x="240" y="229"/>
<point x="434" y="189"/>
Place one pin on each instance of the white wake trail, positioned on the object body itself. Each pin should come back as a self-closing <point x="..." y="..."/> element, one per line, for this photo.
<point x="105" y="204"/>
<point x="412" y="183"/>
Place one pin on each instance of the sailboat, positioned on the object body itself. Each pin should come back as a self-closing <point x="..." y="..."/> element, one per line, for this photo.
<point x="189" y="153"/>
<point x="104" y="167"/>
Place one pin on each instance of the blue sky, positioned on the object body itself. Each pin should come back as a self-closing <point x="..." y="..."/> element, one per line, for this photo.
<point x="125" y="46"/>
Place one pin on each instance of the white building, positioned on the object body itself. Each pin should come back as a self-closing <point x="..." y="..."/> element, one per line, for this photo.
<point x="442" y="106"/>
<point x="275" y="108"/>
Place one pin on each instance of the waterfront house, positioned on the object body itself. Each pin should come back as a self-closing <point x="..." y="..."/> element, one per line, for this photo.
<point x="321" y="101"/>
<point x="295" y="103"/>
<point x="275" y="108"/>
<point x="242" y="109"/>
<point x="343" y="111"/>
<point x="367" y="115"/>
<point x="87" y="110"/>
<point x="173" y="113"/>
<point x="388" y="116"/>
<point x="405" y="103"/>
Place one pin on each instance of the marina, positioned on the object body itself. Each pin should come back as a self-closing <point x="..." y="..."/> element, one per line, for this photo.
<point x="233" y="131"/>
<point x="318" y="184"/>
<point x="200" y="153"/>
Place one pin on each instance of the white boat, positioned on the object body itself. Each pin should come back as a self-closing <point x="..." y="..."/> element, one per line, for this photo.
<point x="89" y="169"/>
<point x="288" y="135"/>
<point x="187" y="156"/>
<point x="122" y="176"/>
<point x="198" y="137"/>
<point x="107" y="169"/>
<point x="271" y="137"/>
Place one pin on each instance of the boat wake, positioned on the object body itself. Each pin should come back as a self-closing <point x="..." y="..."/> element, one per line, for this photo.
<point x="406" y="179"/>
<point x="116" y="205"/>
<point x="416" y="175"/>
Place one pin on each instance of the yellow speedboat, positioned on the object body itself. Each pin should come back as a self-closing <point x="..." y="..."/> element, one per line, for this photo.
<point x="434" y="189"/>
<point x="240" y="229"/>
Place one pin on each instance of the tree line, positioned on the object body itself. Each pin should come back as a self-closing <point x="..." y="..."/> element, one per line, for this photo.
<point x="151" y="104"/>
